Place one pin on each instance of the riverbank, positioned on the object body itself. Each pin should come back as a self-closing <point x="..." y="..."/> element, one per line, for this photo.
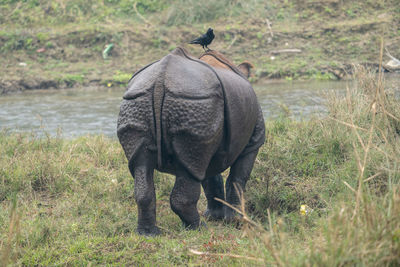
<point x="318" y="190"/>
<point x="296" y="40"/>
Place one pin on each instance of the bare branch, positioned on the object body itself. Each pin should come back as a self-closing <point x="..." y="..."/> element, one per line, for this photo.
<point x="348" y="124"/>
<point x="349" y="186"/>
<point x="372" y="177"/>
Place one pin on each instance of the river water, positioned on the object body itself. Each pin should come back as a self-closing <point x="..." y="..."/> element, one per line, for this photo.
<point x="76" y="112"/>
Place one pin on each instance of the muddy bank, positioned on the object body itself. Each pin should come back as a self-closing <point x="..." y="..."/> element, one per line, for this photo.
<point x="35" y="83"/>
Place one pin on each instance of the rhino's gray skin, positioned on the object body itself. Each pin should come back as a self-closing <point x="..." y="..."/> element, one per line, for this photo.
<point x="181" y="116"/>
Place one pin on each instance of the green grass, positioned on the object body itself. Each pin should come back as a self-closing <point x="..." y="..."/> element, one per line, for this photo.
<point x="70" y="202"/>
<point x="121" y="77"/>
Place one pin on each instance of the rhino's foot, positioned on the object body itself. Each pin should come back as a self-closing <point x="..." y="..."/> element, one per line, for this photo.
<point x="148" y="231"/>
<point x="214" y="214"/>
<point x="231" y="216"/>
<point x="199" y="226"/>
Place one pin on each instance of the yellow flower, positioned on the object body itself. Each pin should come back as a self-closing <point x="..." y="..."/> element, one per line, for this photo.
<point x="109" y="84"/>
<point x="304" y="210"/>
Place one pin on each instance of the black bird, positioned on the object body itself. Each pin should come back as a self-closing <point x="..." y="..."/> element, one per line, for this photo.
<point x="205" y="39"/>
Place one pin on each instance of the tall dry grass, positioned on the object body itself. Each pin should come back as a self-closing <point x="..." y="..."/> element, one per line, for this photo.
<point x="8" y="245"/>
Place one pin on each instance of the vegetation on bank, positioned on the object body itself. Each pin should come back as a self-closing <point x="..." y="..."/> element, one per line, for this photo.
<point x="60" y="43"/>
<point x="70" y="202"/>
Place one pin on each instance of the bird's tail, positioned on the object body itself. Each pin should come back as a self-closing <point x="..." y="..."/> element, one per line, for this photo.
<point x="195" y="41"/>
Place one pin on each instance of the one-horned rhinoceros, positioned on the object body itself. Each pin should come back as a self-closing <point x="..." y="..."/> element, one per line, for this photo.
<point x="182" y="116"/>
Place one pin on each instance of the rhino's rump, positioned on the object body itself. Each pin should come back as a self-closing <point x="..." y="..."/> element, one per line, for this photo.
<point x="135" y="121"/>
<point x="134" y="128"/>
<point x="209" y="116"/>
<point x="193" y="130"/>
<point x="192" y="114"/>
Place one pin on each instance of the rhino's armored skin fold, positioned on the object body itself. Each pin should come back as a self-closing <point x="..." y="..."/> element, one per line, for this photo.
<point x="182" y="116"/>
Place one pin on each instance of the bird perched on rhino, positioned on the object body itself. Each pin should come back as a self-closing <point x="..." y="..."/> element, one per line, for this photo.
<point x="205" y="39"/>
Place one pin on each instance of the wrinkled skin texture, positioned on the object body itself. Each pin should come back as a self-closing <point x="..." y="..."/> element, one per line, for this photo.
<point x="182" y="116"/>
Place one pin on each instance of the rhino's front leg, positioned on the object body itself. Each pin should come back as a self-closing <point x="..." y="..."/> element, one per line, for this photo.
<point x="214" y="188"/>
<point x="184" y="197"/>
<point x="238" y="174"/>
<point x="145" y="196"/>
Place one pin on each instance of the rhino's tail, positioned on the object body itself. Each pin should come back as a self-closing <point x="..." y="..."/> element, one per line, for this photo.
<point x="158" y="99"/>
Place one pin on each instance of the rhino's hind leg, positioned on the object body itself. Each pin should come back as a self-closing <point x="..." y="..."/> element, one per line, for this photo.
<point x="145" y="196"/>
<point x="238" y="174"/>
<point x="214" y="188"/>
<point x="184" y="197"/>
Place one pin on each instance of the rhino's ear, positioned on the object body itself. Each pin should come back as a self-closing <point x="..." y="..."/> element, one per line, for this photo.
<point x="245" y="67"/>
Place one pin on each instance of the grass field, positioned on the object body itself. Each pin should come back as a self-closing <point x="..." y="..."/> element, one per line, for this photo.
<point x="70" y="202"/>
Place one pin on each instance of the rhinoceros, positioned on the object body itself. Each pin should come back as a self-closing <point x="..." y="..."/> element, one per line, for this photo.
<point x="182" y="116"/>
